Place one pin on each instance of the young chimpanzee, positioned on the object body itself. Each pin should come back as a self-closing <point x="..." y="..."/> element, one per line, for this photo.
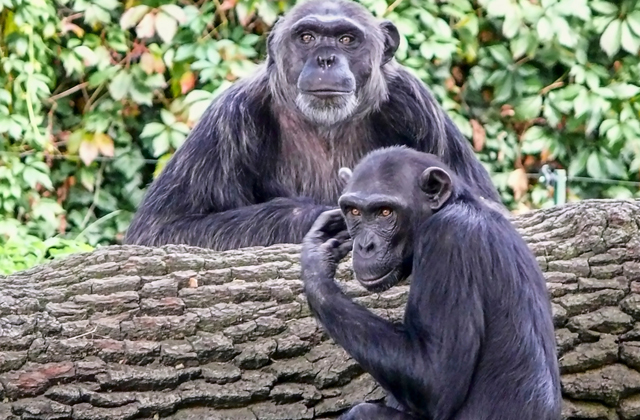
<point x="477" y="342"/>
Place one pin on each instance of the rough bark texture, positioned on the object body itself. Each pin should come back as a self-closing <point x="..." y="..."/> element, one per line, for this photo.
<point x="185" y="333"/>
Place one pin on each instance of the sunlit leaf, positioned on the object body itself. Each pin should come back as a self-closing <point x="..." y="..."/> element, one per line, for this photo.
<point x="603" y="7"/>
<point x="629" y="40"/>
<point x="32" y="176"/>
<point x="174" y="11"/>
<point x="120" y="85"/>
<point x="145" y="28"/>
<point x="132" y="16"/>
<point x="611" y="38"/>
<point x="152" y="129"/>
<point x="161" y="143"/>
<point x="166" y="27"/>
<point x="578" y="163"/>
<point x="595" y="166"/>
<point x="529" y="108"/>
<point x="544" y="29"/>
<point x="633" y="20"/>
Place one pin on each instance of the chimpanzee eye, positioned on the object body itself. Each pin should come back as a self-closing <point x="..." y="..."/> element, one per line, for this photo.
<point x="354" y="211"/>
<point x="306" y="38"/>
<point x="385" y="212"/>
<point x="346" y="39"/>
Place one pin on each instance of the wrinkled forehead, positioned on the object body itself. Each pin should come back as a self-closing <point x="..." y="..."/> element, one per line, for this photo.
<point x="329" y="23"/>
<point x="385" y="178"/>
<point x="331" y="12"/>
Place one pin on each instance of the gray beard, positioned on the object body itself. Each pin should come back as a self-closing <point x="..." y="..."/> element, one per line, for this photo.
<point x="327" y="112"/>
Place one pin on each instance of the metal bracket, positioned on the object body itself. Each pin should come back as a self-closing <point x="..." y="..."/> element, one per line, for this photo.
<point x="558" y="180"/>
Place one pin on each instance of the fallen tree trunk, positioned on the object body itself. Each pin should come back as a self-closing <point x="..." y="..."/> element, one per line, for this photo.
<point x="177" y="332"/>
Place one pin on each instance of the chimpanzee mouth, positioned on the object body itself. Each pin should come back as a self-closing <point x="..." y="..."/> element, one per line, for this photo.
<point x="382" y="283"/>
<point x="326" y="93"/>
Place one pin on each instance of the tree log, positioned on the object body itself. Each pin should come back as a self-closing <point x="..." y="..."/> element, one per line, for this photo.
<point x="177" y="332"/>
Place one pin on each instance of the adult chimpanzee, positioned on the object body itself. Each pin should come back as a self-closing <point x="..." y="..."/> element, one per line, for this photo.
<point x="261" y="164"/>
<point x="477" y="342"/>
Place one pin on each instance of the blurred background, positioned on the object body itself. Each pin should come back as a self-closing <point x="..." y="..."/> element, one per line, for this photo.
<point x="96" y="95"/>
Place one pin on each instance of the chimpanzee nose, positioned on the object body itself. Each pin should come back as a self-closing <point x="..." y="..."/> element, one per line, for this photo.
<point x="326" y="60"/>
<point x="366" y="247"/>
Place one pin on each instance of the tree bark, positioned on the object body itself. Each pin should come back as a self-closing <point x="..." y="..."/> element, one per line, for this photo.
<point x="129" y="332"/>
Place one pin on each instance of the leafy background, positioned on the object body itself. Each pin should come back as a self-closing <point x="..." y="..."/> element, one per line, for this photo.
<point x="96" y="95"/>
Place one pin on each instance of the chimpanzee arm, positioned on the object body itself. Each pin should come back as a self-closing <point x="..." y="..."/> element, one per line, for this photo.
<point x="413" y="112"/>
<point x="433" y="355"/>
<point x="207" y="193"/>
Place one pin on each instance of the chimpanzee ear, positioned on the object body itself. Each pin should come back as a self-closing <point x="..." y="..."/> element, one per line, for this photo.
<point x="437" y="185"/>
<point x="391" y="40"/>
<point x="345" y="174"/>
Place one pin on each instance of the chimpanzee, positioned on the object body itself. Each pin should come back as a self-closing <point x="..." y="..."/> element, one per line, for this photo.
<point x="477" y="341"/>
<point x="261" y="164"/>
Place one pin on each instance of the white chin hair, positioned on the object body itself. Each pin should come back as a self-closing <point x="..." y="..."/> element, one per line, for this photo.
<point x="326" y="112"/>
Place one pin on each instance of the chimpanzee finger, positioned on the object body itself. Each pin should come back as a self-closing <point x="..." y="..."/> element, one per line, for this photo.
<point x="343" y="236"/>
<point x="343" y="249"/>
<point x="335" y="223"/>
<point x="328" y="224"/>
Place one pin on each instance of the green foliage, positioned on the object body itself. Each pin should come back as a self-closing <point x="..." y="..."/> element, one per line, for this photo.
<point x="21" y="250"/>
<point x="96" y="95"/>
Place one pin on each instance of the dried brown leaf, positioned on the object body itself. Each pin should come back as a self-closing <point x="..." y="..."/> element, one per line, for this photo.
<point x="88" y="152"/>
<point x="479" y="135"/>
<point x="518" y="182"/>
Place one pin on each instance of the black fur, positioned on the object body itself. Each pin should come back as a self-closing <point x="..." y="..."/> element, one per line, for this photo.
<point x="257" y="170"/>
<point x="477" y="342"/>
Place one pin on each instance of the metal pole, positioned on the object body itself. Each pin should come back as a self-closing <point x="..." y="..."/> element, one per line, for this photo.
<point x="560" y="187"/>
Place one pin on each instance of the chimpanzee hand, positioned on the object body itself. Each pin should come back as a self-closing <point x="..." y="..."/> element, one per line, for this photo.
<point x="326" y="243"/>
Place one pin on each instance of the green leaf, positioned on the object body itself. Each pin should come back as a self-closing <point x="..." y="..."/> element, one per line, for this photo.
<point x="594" y="120"/>
<point x="630" y="41"/>
<point x="519" y="46"/>
<point x="551" y="114"/>
<point x="141" y="94"/>
<point x="578" y="163"/>
<point x="528" y="108"/>
<point x="581" y="104"/>
<point x="592" y="79"/>
<point x="120" y="85"/>
<point x="619" y="193"/>
<point x="167" y="117"/>
<point x="5" y="97"/>
<point x="132" y="16"/>
<point x="614" y="168"/>
<point x="611" y="38"/>
<point x="614" y="134"/>
<point x="497" y="8"/>
<point x="501" y="54"/>
<point x="512" y="23"/>
<point x="32" y="177"/>
<point x="161" y="144"/>
<point x="595" y="166"/>
<point x="185" y="52"/>
<point x="633" y="20"/>
<point x="624" y="91"/>
<point x="177" y="139"/>
<point x="152" y="129"/>
<point x="604" y="7"/>
<point x="544" y="29"/>
<point x="503" y="90"/>
<point x="606" y="125"/>
<point x="106" y="201"/>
